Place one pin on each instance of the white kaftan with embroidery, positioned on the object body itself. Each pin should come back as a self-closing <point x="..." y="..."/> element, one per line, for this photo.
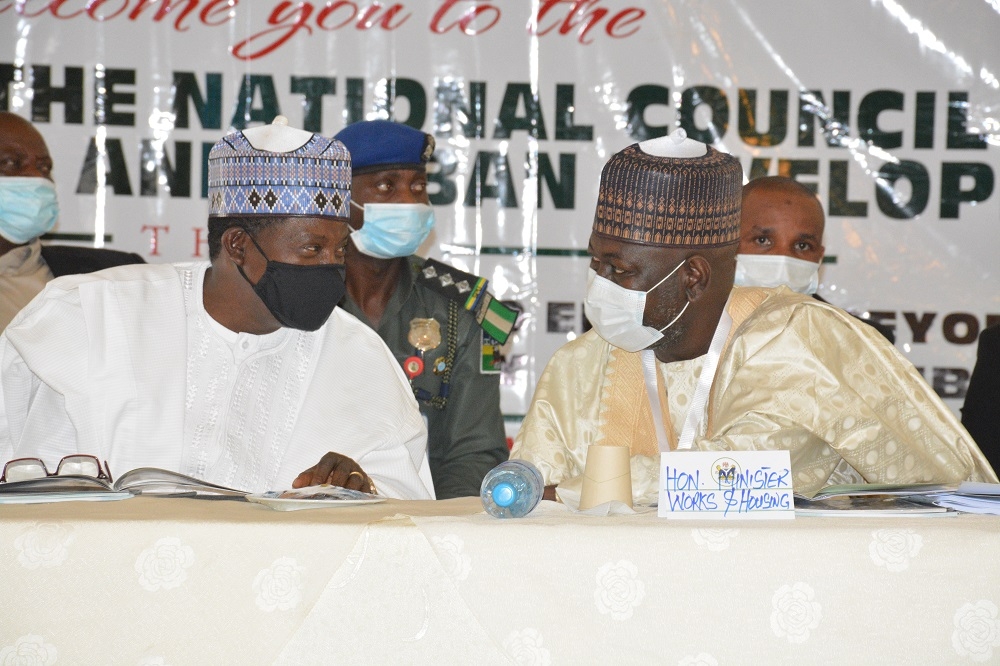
<point x="127" y="365"/>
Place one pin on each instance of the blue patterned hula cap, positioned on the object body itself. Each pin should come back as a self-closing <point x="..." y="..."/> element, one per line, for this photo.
<point x="380" y="145"/>
<point x="278" y="170"/>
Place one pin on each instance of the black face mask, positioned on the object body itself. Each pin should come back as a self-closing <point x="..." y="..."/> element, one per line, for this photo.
<point x="299" y="296"/>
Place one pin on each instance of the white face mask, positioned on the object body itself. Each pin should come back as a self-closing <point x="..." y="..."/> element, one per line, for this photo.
<point x="616" y="312"/>
<point x="773" y="270"/>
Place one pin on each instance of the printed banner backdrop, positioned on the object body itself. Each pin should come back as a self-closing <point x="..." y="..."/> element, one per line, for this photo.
<point x="888" y="108"/>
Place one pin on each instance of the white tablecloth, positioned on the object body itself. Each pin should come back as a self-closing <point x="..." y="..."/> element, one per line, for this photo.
<point x="172" y="581"/>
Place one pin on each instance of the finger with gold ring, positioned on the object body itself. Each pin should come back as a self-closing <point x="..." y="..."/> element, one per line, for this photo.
<point x="358" y="474"/>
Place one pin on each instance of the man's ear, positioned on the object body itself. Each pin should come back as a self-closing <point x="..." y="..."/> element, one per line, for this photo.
<point x="697" y="274"/>
<point x="234" y="240"/>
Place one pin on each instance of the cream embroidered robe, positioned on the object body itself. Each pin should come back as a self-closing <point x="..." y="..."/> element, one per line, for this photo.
<point x="795" y="374"/>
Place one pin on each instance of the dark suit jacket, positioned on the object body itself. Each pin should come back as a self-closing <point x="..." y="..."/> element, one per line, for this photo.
<point x="69" y="260"/>
<point x="981" y="412"/>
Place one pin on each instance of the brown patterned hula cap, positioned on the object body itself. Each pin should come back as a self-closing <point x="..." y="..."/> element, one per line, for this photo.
<point x="672" y="192"/>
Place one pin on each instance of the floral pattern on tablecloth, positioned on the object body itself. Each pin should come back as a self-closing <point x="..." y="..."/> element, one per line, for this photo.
<point x="794" y="612"/>
<point x="43" y="545"/>
<point x="454" y="559"/>
<point x="164" y="565"/>
<point x="700" y="659"/>
<point x="619" y="590"/>
<point x="525" y="648"/>
<point x="715" y="540"/>
<point x="30" y="650"/>
<point x="279" y="586"/>
<point x="798" y="597"/>
<point x="894" y="548"/>
<point x="977" y="630"/>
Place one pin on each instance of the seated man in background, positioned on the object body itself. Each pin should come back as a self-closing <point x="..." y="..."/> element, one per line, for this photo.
<point x="781" y="239"/>
<point x="28" y="209"/>
<point x="418" y="306"/>
<point x="981" y="410"/>
<point x="679" y="359"/>
<point x="240" y="371"/>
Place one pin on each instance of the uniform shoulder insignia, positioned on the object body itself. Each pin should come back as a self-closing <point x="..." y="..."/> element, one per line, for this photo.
<point x="470" y="292"/>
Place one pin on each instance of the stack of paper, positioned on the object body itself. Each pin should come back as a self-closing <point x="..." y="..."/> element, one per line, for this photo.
<point x="873" y="500"/>
<point x="886" y="499"/>
<point x="970" y="497"/>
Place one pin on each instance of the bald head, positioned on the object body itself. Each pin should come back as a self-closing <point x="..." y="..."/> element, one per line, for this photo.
<point x="781" y="216"/>
<point x="22" y="149"/>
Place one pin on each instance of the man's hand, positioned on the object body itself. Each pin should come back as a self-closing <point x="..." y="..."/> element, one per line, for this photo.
<point x="549" y="493"/>
<point x="336" y="470"/>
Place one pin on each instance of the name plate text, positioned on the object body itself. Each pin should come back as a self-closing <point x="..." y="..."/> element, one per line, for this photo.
<point x="727" y="485"/>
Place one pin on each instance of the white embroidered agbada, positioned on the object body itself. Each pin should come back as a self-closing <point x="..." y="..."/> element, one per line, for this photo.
<point x="126" y="364"/>
<point x="796" y="374"/>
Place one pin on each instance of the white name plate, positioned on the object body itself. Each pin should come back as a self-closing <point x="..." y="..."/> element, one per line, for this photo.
<point x="729" y="485"/>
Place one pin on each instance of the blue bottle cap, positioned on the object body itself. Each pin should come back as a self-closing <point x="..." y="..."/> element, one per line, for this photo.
<point x="504" y="494"/>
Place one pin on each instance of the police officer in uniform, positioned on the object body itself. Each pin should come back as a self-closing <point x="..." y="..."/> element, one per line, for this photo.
<point x="440" y="323"/>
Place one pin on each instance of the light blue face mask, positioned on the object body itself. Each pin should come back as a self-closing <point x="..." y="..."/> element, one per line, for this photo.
<point x="393" y="229"/>
<point x="28" y="207"/>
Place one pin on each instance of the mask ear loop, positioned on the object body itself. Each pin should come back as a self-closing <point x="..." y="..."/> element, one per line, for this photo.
<point x="672" y="321"/>
<point x="677" y="317"/>
<point x="256" y="245"/>
<point x="364" y="220"/>
<point x="667" y="276"/>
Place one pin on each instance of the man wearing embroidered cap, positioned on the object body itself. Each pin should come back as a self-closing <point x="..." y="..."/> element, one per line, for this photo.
<point x="425" y="311"/>
<point x="679" y="359"/>
<point x="240" y="371"/>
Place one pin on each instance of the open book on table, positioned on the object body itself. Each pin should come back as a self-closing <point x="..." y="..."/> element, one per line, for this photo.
<point x="140" y="481"/>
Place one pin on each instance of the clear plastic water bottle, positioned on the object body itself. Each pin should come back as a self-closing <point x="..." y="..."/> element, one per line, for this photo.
<point x="511" y="489"/>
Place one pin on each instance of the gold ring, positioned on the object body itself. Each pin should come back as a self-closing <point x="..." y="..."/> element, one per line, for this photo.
<point x="360" y="475"/>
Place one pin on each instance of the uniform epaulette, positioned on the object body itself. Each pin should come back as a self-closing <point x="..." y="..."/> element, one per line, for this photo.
<point x="470" y="292"/>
